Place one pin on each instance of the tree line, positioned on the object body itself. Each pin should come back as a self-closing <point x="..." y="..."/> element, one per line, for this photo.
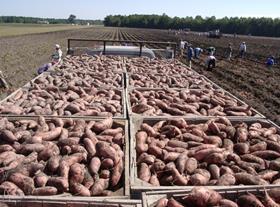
<point x="35" y="20"/>
<point x="239" y="25"/>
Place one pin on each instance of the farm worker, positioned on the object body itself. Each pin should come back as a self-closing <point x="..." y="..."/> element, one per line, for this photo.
<point x="57" y="56"/>
<point x="197" y="52"/>
<point x="270" y="61"/>
<point x="190" y="54"/>
<point x="211" y="50"/>
<point x="229" y="51"/>
<point x="44" y="68"/>
<point x="182" y="47"/>
<point x="210" y="62"/>
<point x="242" y="49"/>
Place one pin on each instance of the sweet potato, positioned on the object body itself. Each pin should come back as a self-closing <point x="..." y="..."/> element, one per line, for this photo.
<point x="202" y="154"/>
<point x="144" y="172"/>
<point x="107" y="163"/>
<point x="117" y="172"/>
<point x="177" y="143"/>
<point x="103" y="125"/>
<point x="191" y="165"/>
<point x="274" y="194"/>
<point x="199" y="179"/>
<point x="162" y="202"/>
<point x="269" y="201"/>
<point x="64" y="169"/>
<point x="60" y="183"/>
<point x="268" y="175"/>
<point x="6" y="147"/>
<point x="44" y="191"/>
<point x="105" y="174"/>
<point x="156" y="151"/>
<point x="201" y="196"/>
<point x="40" y="179"/>
<point x="154" y="180"/>
<point x="249" y="200"/>
<point x="99" y="186"/>
<point x="75" y="158"/>
<point x="104" y="150"/>
<point x="146" y="158"/>
<point x="90" y="147"/>
<point x="169" y="156"/>
<point x="226" y="180"/>
<point x="267" y="154"/>
<point x="94" y="165"/>
<point x="157" y="166"/>
<point x="10" y="188"/>
<point x="274" y="165"/>
<point x="78" y="189"/>
<point x="227" y="203"/>
<point x="261" y="146"/>
<point x="8" y="136"/>
<point x="241" y="148"/>
<point x="28" y="148"/>
<point x="214" y="171"/>
<point x="181" y="162"/>
<point x="173" y="203"/>
<point x="149" y="130"/>
<point x="178" y="178"/>
<point x="141" y="145"/>
<point x="51" y="135"/>
<point x="25" y="183"/>
<point x="247" y="179"/>
<point x="77" y="172"/>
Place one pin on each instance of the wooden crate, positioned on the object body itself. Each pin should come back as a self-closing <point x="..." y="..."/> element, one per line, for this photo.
<point x="150" y="199"/>
<point x="137" y="185"/>
<point x="123" y="192"/>
<point x="55" y="201"/>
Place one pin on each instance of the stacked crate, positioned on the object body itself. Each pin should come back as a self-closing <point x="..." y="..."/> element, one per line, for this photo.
<point x="83" y="89"/>
<point x="176" y="85"/>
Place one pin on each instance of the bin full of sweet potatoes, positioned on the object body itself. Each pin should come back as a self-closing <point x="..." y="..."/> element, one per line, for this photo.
<point x="203" y="197"/>
<point x="53" y="156"/>
<point x="211" y="152"/>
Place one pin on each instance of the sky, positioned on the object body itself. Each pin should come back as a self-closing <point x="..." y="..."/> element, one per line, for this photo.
<point x="98" y="9"/>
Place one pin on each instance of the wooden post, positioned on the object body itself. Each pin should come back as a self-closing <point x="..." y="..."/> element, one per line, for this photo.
<point x="2" y="81"/>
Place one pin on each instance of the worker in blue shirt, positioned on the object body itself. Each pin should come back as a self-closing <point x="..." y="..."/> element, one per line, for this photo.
<point x="270" y="61"/>
<point x="197" y="52"/>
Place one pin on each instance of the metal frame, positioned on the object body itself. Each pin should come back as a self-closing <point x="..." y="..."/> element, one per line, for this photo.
<point x="140" y="43"/>
<point x="138" y="186"/>
<point x="126" y="183"/>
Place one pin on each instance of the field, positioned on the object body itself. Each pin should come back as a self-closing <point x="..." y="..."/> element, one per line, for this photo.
<point x="247" y="79"/>
<point x="21" y="29"/>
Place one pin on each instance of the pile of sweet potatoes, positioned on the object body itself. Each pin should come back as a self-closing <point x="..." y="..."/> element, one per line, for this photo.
<point x="83" y="78"/>
<point x="148" y="80"/>
<point x="49" y="157"/>
<point x="213" y="152"/>
<point x="92" y="63"/>
<point x="73" y="100"/>
<point x="203" y="197"/>
<point x="202" y="102"/>
<point x="156" y="66"/>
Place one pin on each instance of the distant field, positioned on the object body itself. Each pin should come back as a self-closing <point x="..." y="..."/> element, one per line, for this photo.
<point x="21" y="29"/>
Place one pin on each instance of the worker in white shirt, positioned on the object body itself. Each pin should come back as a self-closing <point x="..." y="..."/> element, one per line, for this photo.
<point x="242" y="49"/>
<point x="182" y="47"/>
<point x="57" y="55"/>
<point x="210" y="62"/>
